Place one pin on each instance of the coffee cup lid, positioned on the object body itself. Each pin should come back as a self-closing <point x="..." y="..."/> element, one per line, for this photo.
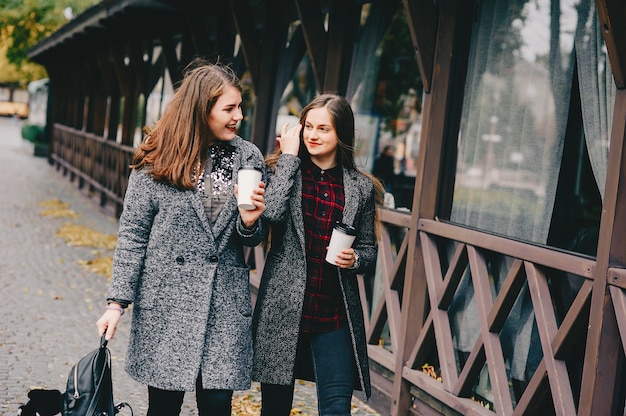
<point x="345" y="228"/>
<point x="249" y="167"/>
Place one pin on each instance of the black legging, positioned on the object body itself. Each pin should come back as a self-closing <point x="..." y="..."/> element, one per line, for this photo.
<point x="210" y="402"/>
<point x="277" y="399"/>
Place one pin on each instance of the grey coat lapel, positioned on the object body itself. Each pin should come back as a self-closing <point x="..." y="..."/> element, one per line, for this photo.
<point x="227" y="213"/>
<point x="351" y="195"/>
<point x="196" y="202"/>
<point x="296" y="210"/>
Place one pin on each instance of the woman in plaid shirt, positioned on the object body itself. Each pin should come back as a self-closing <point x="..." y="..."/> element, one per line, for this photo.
<point x="308" y="320"/>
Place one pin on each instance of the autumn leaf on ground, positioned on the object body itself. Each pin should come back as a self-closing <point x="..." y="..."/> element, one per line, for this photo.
<point x="80" y="235"/>
<point x="245" y="406"/>
<point x="56" y="208"/>
<point x="100" y="265"/>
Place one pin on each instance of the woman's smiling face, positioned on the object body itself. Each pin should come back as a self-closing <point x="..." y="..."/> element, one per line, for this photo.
<point x="226" y="114"/>
<point x="320" y="137"/>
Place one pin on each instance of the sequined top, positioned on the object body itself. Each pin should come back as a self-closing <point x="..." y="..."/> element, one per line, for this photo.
<point x="218" y="174"/>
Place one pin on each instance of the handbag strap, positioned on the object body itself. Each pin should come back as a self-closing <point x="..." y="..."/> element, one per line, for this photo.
<point x="95" y="400"/>
<point x="121" y="405"/>
<point x="103" y="340"/>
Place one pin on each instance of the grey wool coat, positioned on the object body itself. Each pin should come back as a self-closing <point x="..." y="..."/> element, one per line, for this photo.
<point x="278" y="308"/>
<point x="189" y="284"/>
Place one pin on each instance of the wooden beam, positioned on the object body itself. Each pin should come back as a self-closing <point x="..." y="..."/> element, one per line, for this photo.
<point x="266" y="106"/>
<point x="534" y="394"/>
<point x="109" y="77"/>
<point x="139" y="66"/>
<point x="491" y="341"/>
<point x="422" y="347"/>
<point x="569" y="263"/>
<point x="458" y="263"/>
<point x="602" y="363"/>
<point x="441" y="322"/>
<point x="424" y="202"/>
<point x="226" y="37"/>
<point x="574" y="324"/>
<point x="343" y="24"/>
<point x="471" y="370"/>
<point x="126" y="80"/>
<point x="507" y="295"/>
<point x="199" y="33"/>
<point x="155" y="72"/>
<point x="110" y="88"/>
<point x="558" y="377"/>
<point x="171" y="58"/>
<point x="290" y="57"/>
<point x="249" y="36"/>
<point x="619" y="300"/>
<point x="312" y="21"/>
<point x="421" y="17"/>
<point x="612" y="14"/>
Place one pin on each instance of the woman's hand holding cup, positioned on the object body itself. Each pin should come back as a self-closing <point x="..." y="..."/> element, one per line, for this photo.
<point x="250" y="193"/>
<point x="340" y="251"/>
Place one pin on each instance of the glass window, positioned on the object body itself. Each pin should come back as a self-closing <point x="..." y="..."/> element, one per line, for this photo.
<point x="387" y="95"/>
<point x="514" y="117"/>
<point x="524" y="169"/>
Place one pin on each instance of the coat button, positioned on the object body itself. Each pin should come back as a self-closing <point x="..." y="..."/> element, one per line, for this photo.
<point x="213" y="259"/>
<point x="180" y="260"/>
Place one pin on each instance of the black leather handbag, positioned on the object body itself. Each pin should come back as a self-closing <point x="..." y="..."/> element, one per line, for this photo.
<point x="89" y="389"/>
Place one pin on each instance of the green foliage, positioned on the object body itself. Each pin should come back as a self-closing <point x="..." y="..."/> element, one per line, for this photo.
<point x="32" y="133"/>
<point x="24" y="23"/>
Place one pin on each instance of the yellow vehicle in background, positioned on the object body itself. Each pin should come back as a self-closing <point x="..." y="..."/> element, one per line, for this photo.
<point x="13" y="102"/>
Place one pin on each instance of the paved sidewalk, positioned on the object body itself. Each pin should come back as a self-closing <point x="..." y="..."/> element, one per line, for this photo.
<point x="50" y="302"/>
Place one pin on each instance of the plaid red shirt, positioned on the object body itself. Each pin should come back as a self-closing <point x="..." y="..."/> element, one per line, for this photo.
<point x="322" y="206"/>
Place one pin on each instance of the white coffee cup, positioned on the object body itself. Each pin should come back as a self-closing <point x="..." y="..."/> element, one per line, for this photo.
<point x="248" y="179"/>
<point x="343" y="236"/>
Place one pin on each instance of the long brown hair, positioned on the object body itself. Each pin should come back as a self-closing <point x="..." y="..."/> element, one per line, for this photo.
<point x="176" y="149"/>
<point x="342" y="117"/>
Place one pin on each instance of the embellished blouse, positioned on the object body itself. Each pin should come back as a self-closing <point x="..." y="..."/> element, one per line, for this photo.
<point x="215" y="182"/>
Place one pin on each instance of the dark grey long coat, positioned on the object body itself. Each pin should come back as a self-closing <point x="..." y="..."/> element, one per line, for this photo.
<point x="278" y="308"/>
<point x="189" y="284"/>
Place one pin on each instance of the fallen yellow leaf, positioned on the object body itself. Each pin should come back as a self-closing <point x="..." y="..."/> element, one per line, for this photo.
<point x="80" y="235"/>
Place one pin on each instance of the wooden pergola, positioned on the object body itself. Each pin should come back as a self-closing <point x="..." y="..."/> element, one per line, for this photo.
<point x="103" y="65"/>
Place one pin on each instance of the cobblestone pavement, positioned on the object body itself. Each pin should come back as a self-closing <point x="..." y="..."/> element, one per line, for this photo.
<point x="50" y="302"/>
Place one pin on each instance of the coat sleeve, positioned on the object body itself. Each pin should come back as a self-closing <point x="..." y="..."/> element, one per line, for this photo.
<point x="133" y="234"/>
<point x="365" y="245"/>
<point x="279" y="190"/>
<point x="255" y="236"/>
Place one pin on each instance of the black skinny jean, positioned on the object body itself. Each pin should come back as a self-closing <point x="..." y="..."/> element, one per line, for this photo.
<point x="210" y="402"/>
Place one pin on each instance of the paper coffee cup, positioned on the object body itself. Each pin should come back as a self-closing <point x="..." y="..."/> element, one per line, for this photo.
<point x="343" y="236"/>
<point x="248" y="179"/>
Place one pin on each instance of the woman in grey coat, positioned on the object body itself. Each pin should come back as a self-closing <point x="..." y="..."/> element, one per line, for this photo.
<point x="308" y="319"/>
<point x="179" y="257"/>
